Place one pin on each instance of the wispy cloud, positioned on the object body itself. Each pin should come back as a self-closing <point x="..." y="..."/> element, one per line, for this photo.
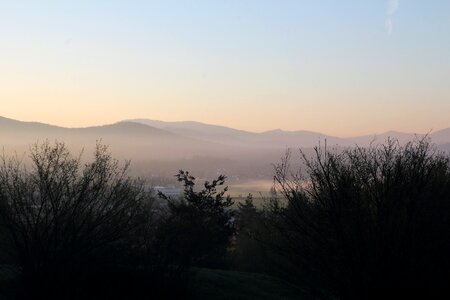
<point x="392" y="8"/>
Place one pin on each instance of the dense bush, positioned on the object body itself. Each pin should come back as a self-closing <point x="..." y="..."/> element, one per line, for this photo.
<point x="367" y="221"/>
<point x="198" y="227"/>
<point x="76" y="230"/>
<point x="250" y="251"/>
<point x="69" y="226"/>
<point x="355" y="223"/>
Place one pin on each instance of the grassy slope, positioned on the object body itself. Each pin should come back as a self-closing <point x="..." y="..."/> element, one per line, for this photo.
<point x="208" y="284"/>
<point x="222" y="284"/>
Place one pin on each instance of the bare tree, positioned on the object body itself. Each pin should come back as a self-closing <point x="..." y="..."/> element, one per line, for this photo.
<point x="63" y="217"/>
<point x="367" y="221"/>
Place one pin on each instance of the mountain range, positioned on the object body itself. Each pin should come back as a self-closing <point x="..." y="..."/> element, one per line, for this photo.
<point x="281" y="138"/>
<point x="190" y="144"/>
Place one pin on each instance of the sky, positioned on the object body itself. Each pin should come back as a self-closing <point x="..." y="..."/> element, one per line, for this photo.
<point x="339" y="67"/>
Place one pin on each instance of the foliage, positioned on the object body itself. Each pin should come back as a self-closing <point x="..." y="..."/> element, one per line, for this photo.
<point x="248" y="251"/>
<point x="367" y="221"/>
<point x="198" y="227"/>
<point x="66" y="221"/>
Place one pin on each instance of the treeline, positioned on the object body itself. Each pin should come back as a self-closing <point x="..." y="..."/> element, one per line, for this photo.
<point x="355" y="224"/>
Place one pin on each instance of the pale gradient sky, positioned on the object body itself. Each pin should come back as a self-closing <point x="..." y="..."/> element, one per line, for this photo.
<point x="338" y="67"/>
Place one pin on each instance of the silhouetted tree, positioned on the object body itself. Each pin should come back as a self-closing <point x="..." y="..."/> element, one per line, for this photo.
<point x="198" y="227"/>
<point x="248" y="251"/>
<point x="66" y="222"/>
<point x="367" y="221"/>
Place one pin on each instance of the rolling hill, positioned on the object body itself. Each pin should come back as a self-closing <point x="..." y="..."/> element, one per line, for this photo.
<point x="165" y="147"/>
<point x="281" y="138"/>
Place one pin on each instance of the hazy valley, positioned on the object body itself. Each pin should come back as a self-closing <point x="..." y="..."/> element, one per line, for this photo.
<point x="158" y="149"/>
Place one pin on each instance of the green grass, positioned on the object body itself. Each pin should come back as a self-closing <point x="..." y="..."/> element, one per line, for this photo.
<point x="222" y="284"/>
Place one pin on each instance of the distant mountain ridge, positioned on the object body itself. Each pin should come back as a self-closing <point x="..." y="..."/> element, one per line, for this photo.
<point x="126" y="139"/>
<point x="201" y="132"/>
<point x="159" y="149"/>
<point x="230" y="136"/>
<point x="282" y="138"/>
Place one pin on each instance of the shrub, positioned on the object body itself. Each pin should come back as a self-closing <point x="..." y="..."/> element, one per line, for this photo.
<point x="199" y="226"/>
<point x="367" y="221"/>
<point x="69" y="226"/>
